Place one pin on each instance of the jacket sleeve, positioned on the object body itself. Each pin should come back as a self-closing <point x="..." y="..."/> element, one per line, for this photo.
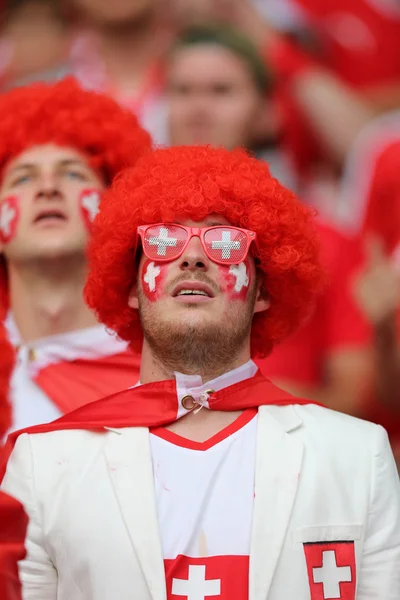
<point x="37" y="572"/>
<point x="13" y="523"/>
<point x="379" y="577"/>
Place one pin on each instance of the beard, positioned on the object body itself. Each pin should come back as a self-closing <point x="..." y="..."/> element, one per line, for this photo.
<point x="200" y="347"/>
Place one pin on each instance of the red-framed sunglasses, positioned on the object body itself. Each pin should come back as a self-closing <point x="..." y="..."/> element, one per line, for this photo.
<point x="222" y="244"/>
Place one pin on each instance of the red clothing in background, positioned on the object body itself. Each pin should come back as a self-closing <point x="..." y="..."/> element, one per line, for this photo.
<point x="335" y="324"/>
<point x="13" y="524"/>
<point x="359" y="38"/>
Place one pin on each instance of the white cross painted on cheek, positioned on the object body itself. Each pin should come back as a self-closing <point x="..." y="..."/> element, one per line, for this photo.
<point x="240" y="272"/>
<point x="7" y="215"/>
<point x="152" y="272"/>
<point x="162" y="241"/>
<point x="91" y="203"/>
<point x="196" y="587"/>
<point x="226" y="245"/>
<point x="330" y="575"/>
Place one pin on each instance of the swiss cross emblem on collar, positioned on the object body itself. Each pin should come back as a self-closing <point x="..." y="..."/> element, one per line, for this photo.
<point x="331" y="569"/>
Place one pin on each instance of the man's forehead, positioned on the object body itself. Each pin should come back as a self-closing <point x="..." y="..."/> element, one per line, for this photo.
<point x="48" y="154"/>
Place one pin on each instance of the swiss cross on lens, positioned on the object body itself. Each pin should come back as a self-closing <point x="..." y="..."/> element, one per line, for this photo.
<point x="162" y="241"/>
<point x="226" y="245"/>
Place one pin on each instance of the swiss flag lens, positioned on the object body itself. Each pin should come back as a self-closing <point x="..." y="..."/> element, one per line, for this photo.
<point x="164" y="241"/>
<point x="226" y="244"/>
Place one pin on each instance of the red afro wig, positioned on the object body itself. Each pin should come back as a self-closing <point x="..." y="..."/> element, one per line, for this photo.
<point x="6" y="366"/>
<point x="191" y="183"/>
<point x="63" y="113"/>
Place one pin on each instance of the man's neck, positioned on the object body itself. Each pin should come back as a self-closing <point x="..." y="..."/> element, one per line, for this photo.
<point x="46" y="298"/>
<point x="152" y="369"/>
<point x="128" y="51"/>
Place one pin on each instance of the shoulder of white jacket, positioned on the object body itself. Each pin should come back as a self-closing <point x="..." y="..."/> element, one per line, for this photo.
<point x="317" y="417"/>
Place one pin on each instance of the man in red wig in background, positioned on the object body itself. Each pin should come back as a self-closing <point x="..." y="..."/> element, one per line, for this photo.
<point x="13" y="519"/>
<point x="205" y="480"/>
<point x="60" y="147"/>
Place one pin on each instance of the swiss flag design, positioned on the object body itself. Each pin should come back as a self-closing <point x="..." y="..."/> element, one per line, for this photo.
<point x="209" y="578"/>
<point x="331" y="568"/>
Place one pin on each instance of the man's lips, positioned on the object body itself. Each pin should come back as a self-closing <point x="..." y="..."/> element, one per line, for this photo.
<point x="50" y="215"/>
<point x="193" y="290"/>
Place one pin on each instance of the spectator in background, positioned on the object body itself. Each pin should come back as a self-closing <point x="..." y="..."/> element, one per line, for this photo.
<point x="60" y="148"/>
<point x="370" y="205"/>
<point x="320" y="114"/>
<point x="119" y="50"/>
<point x="217" y="93"/>
<point x="34" y="40"/>
<point x="13" y="520"/>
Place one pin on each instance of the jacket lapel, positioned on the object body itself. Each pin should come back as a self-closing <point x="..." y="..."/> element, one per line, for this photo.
<point x="129" y="460"/>
<point x="278" y="466"/>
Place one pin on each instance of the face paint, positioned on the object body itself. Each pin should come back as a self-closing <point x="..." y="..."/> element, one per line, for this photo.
<point x="9" y="216"/>
<point x="89" y="202"/>
<point x="235" y="280"/>
<point x="152" y="278"/>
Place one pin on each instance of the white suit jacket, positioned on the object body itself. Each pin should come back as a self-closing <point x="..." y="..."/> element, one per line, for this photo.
<point x="320" y="477"/>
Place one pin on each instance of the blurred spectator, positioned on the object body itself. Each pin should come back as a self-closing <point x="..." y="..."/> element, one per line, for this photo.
<point x="357" y="40"/>
<point x="370" y="204"/>
<point x="320" y="115"/>
<point x="219" y="93"/>
<point x="13" y="520"/>
<point x="119" y="49"/>
<point x="61" y="148"/>
<point x="34" y="39"/>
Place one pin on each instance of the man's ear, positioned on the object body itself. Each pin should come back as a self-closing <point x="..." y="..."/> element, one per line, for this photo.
<point x="133" y="301"/>
<point x="262" y="298"/>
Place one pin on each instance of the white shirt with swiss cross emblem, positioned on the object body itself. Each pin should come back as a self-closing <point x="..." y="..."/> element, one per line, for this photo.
<point x="205" y="496"/>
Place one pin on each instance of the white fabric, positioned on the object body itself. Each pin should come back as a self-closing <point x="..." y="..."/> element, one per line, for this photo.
<point x="192" y="385"/>
<point x="218" y="486"/>
<point x="31" y="406"/>
<point x="94" y="535"/>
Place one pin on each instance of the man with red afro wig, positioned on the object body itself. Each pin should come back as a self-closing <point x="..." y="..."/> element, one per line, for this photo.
<point x="13" y="519"/>
<point x="205" y="480"/>
<point x="60" y="147"/>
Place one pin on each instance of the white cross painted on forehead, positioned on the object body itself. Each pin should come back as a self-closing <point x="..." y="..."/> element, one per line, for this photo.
<point x="7" y="214"/>
<point x="162" y="241"/>
<point x="226" y="244"/>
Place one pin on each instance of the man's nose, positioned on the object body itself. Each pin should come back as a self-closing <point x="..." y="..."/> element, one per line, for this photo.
<point x="194" y="258"/>
<point x="48" y="188"/>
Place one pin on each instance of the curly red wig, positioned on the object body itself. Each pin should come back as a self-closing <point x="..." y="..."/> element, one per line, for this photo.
<point x="63" y="113"/>
<point x="193" y="182"/>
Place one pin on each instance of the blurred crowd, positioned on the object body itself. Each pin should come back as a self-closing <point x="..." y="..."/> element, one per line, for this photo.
<point x="311" y="87"/>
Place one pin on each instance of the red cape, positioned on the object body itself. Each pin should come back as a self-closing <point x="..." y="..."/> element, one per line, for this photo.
<point x="13" y="524"/>
<point x="154" y="405"/>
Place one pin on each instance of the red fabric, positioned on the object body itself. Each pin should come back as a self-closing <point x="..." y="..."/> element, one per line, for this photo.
<point x="336" y="323"/>
<point x="68" y="383"/>
<point x="382" y="201"/>
<point x="13" y="524"/>
<point x="359" y="39"/>
<point x="155" y="404"/>
<point x="381" y="216"/>
<point x="331" y="569"/>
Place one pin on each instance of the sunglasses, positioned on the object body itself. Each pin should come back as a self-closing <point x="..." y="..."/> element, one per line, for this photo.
<point x="222" y="244"/>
